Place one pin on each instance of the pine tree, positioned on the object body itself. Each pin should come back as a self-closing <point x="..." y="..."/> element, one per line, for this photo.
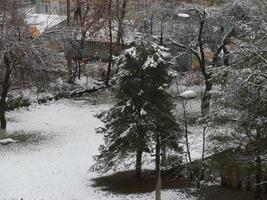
<point x="143" y="107"/>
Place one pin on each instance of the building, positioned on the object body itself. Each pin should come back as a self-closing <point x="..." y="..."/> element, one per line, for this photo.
<point x="54" y="7"/>
<point x="40" y="23"/>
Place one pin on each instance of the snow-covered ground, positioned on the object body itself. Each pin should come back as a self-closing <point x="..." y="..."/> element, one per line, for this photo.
<point x="56" y="168"/>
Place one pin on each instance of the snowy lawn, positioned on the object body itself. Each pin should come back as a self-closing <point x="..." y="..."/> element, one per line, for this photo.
<point x="56" y="168"/>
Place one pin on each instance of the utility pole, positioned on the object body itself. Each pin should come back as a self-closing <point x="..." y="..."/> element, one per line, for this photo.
<point x="162" y="30"/>
<point x="68" y="13"/>
<point x="110" y="42"/>
<point x="158" y="170"/>
<point x="67" y="45"/>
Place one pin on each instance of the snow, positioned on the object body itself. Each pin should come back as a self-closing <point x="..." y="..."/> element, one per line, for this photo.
<point x="129" y="103"/>
<point x="131" y="52"/>
<point x="57" y="167"/>
<point x="125" y="133"/>
<point x="7" y="141"/>
<point x="162" y="51"/>
<point x="160" y="88"/>
<point x="43" y="21"/>
<point x="143" y="112"/>
<point x="189" y="94"/>
<point x="150" y="62"/>
<point x="87" y="82"/>
<point x="183" y="15"/>
<point x="140" y="93"/>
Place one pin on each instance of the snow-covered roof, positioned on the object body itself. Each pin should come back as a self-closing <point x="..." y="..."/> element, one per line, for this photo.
<point x="189" y="94"/>
<point x="7" y="141"/>
<point x="43" y="21"/>
<point x="183" y="15"/>
<point x="102" y="34"/>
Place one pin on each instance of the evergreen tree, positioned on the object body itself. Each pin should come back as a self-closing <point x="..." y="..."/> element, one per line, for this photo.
<point x="143" y="107"/>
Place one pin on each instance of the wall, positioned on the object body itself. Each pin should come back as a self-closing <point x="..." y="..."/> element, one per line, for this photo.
<point x="54" y="7"/>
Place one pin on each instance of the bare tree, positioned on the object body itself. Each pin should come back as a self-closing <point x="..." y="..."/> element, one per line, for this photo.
<point x="200" y="54"/>
<point x="242" y="101"/>
<point x="121" y="14"/>
<point x="23" y="59"/>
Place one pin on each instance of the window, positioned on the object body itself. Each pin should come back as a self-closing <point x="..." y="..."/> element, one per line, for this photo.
<point x="62" y="8"/>
<point x="46" y="7"/>
<point x="38" y="8"/>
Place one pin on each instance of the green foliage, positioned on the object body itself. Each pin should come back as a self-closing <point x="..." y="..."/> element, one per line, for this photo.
<point x="143" y="106"/>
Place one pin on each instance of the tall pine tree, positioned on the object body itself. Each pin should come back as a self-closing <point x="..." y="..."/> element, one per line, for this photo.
<point x="143" y="109"/>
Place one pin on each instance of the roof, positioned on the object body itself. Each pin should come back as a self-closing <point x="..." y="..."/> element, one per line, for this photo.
<point x="43" y="22"/>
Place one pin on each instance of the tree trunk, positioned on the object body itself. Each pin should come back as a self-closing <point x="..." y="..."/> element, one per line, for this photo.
<point x="121" y="16"/>
<point x="151" y="23"/>
<point x="205" y="103"/>
<point x="68" y="58"/>
<point x="2" y="120"/>
<point x="69" y="68"/>
<point x="2" y="114"/>
<point x="161" y="32"/>
<point x="68" y="12"/>
<point x="164" y="154"/>
<point x="223" y="181"/>
<point x="5" y="87"/>
<point x="79" y="69"/>
<point x="202" y="173"/>
<point x="2" y="111"/>
<point x="158" y="171"/>
<point x="258" y="176"/>
<point x="138" y="165"/>
<point x="226" y="60"/>
<point x="248" y="182"/>
<point x="239" y="183"/>
<point x="110" y="44"/>
<point x="265" y="185"/>
<point x="187" y="142"/>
